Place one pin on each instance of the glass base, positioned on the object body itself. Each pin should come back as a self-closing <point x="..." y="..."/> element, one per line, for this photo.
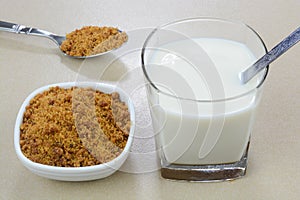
<point x="205" y="173"/>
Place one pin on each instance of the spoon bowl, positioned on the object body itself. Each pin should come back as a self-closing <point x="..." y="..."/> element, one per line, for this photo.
<point x="57" y="39"/>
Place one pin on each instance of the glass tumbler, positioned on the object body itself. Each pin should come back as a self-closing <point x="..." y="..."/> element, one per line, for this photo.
<point x="201" y="113"/>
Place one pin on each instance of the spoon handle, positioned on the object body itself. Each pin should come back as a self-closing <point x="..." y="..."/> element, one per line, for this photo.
<point x="269" y="57"/>
<point x="6" y="26"/>
<point x="17" y="28"/>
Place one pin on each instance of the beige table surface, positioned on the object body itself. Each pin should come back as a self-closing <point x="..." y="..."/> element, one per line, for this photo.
<point x="27" y="63"/>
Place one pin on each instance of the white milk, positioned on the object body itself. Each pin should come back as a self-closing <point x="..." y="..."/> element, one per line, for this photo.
<point x="202" y="133"/>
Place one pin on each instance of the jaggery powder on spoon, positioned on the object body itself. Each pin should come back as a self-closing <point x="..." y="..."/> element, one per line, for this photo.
<point x="91" y="40"/>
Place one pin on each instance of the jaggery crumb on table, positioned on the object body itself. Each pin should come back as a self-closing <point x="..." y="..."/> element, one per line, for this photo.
<point x="91" y="40"/>
<point x="74" y="127"/>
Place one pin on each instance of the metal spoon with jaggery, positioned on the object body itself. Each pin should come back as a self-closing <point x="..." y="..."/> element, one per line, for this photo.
<point x="87" y="42"/>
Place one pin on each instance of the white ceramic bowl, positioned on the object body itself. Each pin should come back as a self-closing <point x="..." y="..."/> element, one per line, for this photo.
<point x="75" y="173"/>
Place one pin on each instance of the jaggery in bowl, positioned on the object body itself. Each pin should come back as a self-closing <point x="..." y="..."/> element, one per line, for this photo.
<point x="60" y="163"/>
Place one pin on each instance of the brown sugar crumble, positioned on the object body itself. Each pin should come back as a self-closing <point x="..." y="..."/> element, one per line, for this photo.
<point x="91" y="40"/>
<point x="74" y="127"/>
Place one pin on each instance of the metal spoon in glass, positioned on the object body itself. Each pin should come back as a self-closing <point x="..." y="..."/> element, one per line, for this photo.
<point x="270" y="56"/>
<point x="57" y="39"/>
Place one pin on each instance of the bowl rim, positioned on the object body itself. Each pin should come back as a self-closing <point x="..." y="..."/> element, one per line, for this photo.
<point x="104" y="87"/>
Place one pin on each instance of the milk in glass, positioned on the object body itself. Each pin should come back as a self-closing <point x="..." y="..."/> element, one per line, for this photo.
<point x="200" y="127"/>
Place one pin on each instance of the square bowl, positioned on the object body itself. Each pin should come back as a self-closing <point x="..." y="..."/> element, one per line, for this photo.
<point x="76" y="173"/>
